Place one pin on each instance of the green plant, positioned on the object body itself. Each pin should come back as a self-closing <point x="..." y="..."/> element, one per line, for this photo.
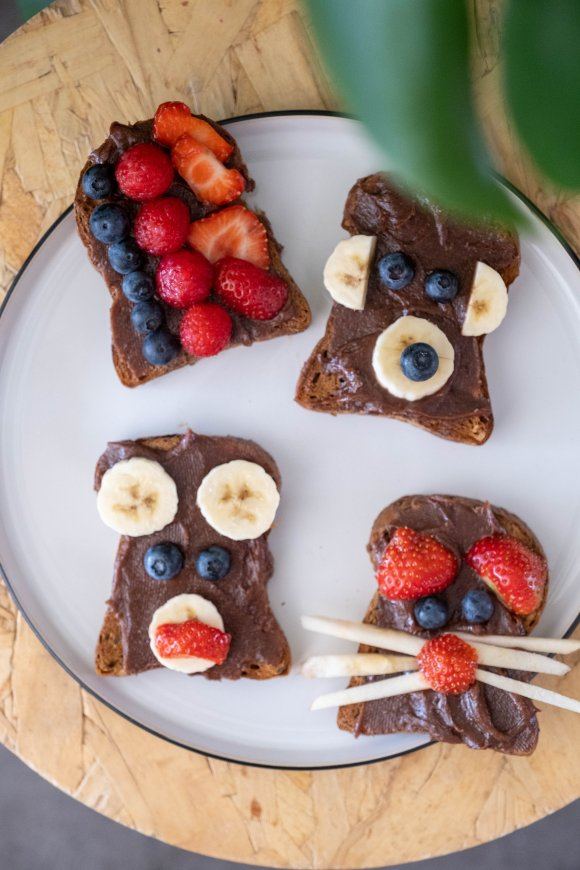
<point x="403" y="67"/>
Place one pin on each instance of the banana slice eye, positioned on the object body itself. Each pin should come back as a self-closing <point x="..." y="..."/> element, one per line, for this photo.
<point x="238" y="499"/>
<point x="137" y="497"/>
<point x="413" y="358"/>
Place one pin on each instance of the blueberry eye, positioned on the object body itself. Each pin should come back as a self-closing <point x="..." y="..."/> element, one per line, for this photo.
<point x="441" y="286"/>
<point x="396" y="270"/>
<point x="419" y="361"/>
<point x="431" y="612"/>
<point x="213" y="563"/>
<point x="163" y="561"/>
<point x="477" y="606"/>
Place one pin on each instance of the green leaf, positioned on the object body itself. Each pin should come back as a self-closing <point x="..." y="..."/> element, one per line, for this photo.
<point x="542" y="75"/>
<point x="403" y="66"/>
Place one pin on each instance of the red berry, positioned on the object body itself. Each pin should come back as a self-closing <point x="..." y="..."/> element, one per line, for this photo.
<point x="161" y="226"/>
<point x="231" y="232"/>
<point x="144" y="171"/>
<point x="205" y="329"/>
<point x="173" y="120"/>
<point x="249" y="290"/>
<point x="515" y="573"/>
<point x="448" y="664"/>
<point x="208" y="178"/>
<point x="175" y="640"/>
<point x="414" y="565"/>
<point x="183" y="278"/>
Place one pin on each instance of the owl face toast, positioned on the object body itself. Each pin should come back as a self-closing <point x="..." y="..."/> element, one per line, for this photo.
<point x="415" y="293"/>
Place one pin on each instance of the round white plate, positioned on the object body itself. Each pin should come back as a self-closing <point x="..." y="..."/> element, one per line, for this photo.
<point x="60" y="402"/>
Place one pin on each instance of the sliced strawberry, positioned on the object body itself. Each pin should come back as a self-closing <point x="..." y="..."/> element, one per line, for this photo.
<point x="248" y="290"/>
<point x="448" y="664"/>
<point x="173" y="120"/>
<point x="232" y="232"/>
<point x="515" y="573"/>
<point x="208" y="178"/>
<point x="415" y="565"/>
<point x="178" y="640"/>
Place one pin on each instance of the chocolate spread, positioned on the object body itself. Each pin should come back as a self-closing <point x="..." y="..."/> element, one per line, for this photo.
<point x="240" y="597"/>
<point x="432" y="241"/>
<point x="483" y="717"/>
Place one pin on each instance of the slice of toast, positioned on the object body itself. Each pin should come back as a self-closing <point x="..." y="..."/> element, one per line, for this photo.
<point x="259" y="650"/>
<point x="131" y="367"/>
<point x="483" y="717"/>
<point x="339" y="378"/>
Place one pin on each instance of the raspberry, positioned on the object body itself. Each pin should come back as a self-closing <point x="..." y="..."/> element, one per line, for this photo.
<point x="144" y="171"/>
<point x="205" y="329"/>
<point x="414" y="565"/>
<point x="162" y="225"/>
<point x="192" y="638"/>
<point x="448" y="664"/>
<point x="249" y="290"/>
<point x="183" y="278"/>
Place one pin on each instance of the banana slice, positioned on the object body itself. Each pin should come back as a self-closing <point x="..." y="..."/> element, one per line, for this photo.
<point x="488" y="301"/>
<point x="180" y="609"/>
<point x="238" y="499"/>
<point x="137" y="497"/>
<point x="389" y="347"/>
<point x="346" y="274"/>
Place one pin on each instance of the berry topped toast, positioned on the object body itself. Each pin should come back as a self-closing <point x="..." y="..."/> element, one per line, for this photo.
<point x="414" y="295"/>
<point x="189" y="590"/>
<point x="190" y="268"/>
<point x="450" y="564"/>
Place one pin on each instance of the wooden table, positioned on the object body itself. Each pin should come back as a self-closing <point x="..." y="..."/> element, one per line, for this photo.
<point x="64" y="76"/>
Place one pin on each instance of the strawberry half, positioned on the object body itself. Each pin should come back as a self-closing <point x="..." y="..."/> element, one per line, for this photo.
<point x="515" y="573"/>
<point x="173" y="120"/>
<point x="248" y="290"/>
<point x="232" y="232"/>
<point x="448" y="664"/>
<point x="415" y="565"/>
<point x="208" y="178"/>
<point x="177" y="640"/>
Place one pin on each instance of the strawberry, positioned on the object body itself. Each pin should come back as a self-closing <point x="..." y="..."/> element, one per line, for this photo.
<point x="415" y="565"/>
<point x="183" y="278"/>
<point x="515" y="573"/>
<point x="249" y="290"/>
<point x="161" y="225"/>
<point x="208" y="178"/>
<point x="205" y="329"/>
<point x="177" y="640"/>
<point x="173" y="120"/>
<point x="232" y="232"/>
<point x="448" y="664"/>
<point x="144" y="171"/>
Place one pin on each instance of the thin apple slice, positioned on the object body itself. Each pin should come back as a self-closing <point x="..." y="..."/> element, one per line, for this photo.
<point x="528" y="690"/>
<point x="402" y="685"/>
<point x="517" y="660"/>
<point x="357" y="665"/>
<point x="360" y="632"/>
<point x="562" y="645"/>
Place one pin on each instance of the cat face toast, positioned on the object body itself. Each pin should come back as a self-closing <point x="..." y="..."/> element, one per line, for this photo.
<point x="235" y="231"/>
<point x="483" y="716"/>
<point x="341" y="375"/>
<point x="236" y="588"/>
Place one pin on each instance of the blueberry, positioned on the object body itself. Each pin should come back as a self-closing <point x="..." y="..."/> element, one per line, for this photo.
<point x="160" y="347"/>
<point x="98" y="181"/>
<point x="477" y="606"/>
<point x="396" y="270"/>
<point x="163" y="561"/>
<point x="125" y="256"/>
<point x="109" y="223"/>
<point x="431" y="612"/>
<point x="138" y="286"/>
<point x="441" y="286"/>
<point x="213" y="563"/>
<point x="419" y="361"/>
<point x="146" y="317"/>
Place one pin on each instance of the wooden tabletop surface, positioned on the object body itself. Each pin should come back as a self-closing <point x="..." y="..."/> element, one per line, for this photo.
<point x="64" y="77"/>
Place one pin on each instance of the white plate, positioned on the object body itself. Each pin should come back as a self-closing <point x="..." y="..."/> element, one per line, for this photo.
<point x="60" y="402"/>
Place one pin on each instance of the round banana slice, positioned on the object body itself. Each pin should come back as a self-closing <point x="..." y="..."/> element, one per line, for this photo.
<point x="346" y="274"/>
<point x="181" y="608"/>
<point x="390" y="345"/>
<point x="488" y="301"/>
<point x="238" y="499"/>
<point x="137" y="497"/>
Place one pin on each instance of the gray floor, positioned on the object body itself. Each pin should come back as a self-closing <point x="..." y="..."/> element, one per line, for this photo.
<point x="42" y="828"/>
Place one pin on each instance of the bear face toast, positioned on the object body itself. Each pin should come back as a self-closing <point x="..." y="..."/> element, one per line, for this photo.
<point x="414" y="295"/>
<point x="189" y="589"/>
<point x="155" y="227"/>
